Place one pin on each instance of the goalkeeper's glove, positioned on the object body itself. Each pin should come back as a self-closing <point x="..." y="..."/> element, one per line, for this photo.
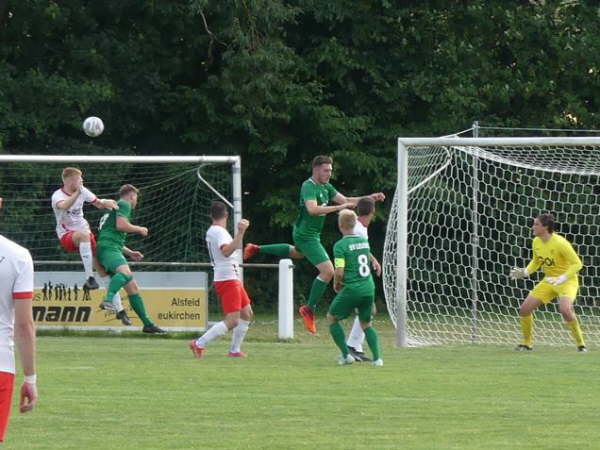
<point x="555" y="281"/>
<point x="518" y="273"/>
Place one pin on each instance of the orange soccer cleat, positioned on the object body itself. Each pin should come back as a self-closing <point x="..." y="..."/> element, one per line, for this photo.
<point x="309" y="319"/>
<point x="250" y="250"/>
<point x="237" y="354"/>
<point x="196" y="349"/>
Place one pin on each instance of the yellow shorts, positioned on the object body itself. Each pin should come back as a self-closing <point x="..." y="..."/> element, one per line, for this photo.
<point x="545" y="292"/>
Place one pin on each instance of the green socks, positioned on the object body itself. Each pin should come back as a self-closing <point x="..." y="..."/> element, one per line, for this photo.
<point x="316" y="292"/>
<point x="282" y="250"/>
<point x="138" y="306"/>
<point x="116" y="283"/>
<point x="337" y="333"/>
<point x="373" y="342"/>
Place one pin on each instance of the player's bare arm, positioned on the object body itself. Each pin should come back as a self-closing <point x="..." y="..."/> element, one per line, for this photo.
<point x="105" y="203"/>
<point x="236" y="243"/>
<point x="66" y="204"/>
<point x="133" y="254"/>
<point x="342" y="199"/>
<point x="25" y="340"/>
<point x="125" y="226"/>
<point x="375" y="264"/>
<point x="338" y="279"/>
<point x="315" y="210"/>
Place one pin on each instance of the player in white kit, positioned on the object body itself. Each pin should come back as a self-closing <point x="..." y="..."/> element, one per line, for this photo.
<point x="224" y="254"/>
<point x="365" y="209"/>
<point x="16" y="324"/>
<point x="72" y="229"/>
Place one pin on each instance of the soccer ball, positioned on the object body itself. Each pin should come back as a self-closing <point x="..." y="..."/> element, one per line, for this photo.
<point x="93" y="126"/>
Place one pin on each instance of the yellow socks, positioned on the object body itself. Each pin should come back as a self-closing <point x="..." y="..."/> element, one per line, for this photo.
<point x="527" y="328"/>
<point x="576" y="332"/>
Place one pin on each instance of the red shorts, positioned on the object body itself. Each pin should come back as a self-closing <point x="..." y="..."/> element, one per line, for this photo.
<point x="7" y="381"/>
<point x="232" y="294"/>
<point x="66" y="242"/>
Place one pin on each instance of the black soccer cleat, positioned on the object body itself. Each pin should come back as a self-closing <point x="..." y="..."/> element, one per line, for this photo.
<point x="123" y="317"/>
<point x="582" y="349"/>
<point x="523" y="348"/>
<point x="153" y="329"/>
<point x="91" y="284"/>
<point x="358" y="356"/>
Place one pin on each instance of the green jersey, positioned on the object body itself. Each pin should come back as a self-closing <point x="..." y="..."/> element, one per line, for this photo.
<point x="352" y="253"/>
<point x="308" y="226"/>
<point x="109" y="235"/>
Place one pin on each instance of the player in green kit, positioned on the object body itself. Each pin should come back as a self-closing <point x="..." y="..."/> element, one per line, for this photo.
<point x="355" y="289"/>
<point x="315" y="195"/>
<point x="111" y="252"/>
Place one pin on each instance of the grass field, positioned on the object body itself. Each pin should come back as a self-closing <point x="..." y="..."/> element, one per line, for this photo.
<point x="149" y="393"/>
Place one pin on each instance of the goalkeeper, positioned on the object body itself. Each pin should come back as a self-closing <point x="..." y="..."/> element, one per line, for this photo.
<point x="560" y="264"/>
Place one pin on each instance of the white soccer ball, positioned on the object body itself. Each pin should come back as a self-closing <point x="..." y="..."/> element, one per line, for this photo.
<point x="93" y="126"/>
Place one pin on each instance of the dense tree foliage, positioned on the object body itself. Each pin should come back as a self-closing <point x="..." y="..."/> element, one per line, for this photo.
<point x="281" y="81"/>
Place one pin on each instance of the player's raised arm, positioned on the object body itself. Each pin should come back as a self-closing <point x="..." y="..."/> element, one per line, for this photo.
<point x="105" y="203"/>
<point x="342" y="199"/>
<point x="315" y="210"/>
<point x="228" y="249"/>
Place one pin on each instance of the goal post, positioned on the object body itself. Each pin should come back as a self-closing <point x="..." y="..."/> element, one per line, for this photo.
<point x="461" y="218"/>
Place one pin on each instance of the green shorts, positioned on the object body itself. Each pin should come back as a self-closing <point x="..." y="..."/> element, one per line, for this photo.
<point x="110" y="258"/>
<point x="346" y="301"/>
<point x="312" y="249"/>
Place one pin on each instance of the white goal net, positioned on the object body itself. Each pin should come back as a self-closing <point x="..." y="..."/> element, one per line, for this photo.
<point x="461" y="219"/>
<point x="175" y="196"/>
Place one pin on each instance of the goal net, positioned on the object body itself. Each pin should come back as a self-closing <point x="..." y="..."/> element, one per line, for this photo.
<point x="461" y="219"/>
<point x="175" y="196"/>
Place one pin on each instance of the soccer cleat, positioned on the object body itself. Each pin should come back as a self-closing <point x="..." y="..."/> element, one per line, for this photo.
<point x="358" y="355"/>
<point x="196" y="349"/>
<point x="378" y="362"/>
<point x="91" y="284"/>
<point x="582" y="349"/>
<point x="153" y="329"/>
<point x="523" y="348"/>
<point x="309" y="318"/>
<point x="250" y="250"/>
<point x="345" y="360"/>
<point x="108" y="306"/>
<point x="123" y="317"/>
<point x="239" y="354"/>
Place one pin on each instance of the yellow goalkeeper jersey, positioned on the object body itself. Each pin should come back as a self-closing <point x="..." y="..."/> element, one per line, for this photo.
<point x="556" y="257"/>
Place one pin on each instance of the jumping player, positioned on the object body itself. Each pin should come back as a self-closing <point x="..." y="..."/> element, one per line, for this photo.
<point x="71" y="227"/>
<point x="315" y="195"/>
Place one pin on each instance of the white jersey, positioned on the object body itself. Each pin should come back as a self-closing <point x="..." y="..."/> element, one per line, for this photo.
<point x="16" y="283"/>
<point x="71" y="219"/>
<point x="225" y="267"/>
<point x="360" y="230"/>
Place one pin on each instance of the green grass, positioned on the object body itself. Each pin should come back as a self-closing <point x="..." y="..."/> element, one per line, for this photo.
<point x="147" y="393"/>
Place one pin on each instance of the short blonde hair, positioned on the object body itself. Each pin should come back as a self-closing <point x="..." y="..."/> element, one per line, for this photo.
<point x="347" y="219"/>
<point x="69" y="172"/>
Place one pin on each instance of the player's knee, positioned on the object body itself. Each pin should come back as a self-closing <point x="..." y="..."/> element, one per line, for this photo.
<point x="331" y="319"/>
<point x="247" y="314"/>
<point x="326" y="274"/>
<point x="567" y="313"/>
<point x="365" y="325"/>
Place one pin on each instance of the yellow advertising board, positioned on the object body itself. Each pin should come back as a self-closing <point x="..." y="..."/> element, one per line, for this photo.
<point x="175" y="301"/>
